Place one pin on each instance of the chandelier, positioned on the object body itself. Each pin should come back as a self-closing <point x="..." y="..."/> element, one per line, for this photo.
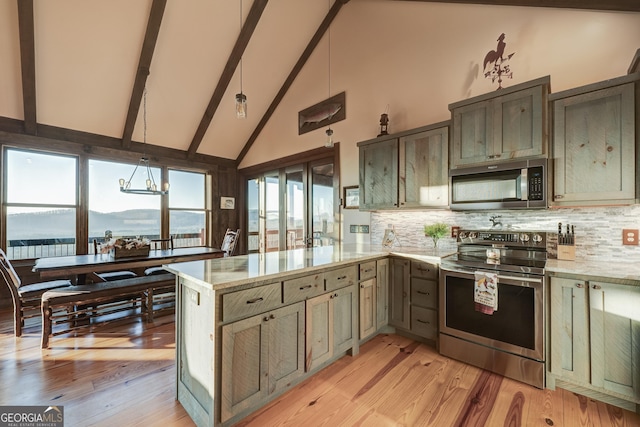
<point x="151" y="187"/>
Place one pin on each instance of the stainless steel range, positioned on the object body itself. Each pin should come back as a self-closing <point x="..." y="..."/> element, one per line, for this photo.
<point x="508" y="340"/>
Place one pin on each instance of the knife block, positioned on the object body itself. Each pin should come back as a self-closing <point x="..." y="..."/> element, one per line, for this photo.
<point x="567" y="252"/>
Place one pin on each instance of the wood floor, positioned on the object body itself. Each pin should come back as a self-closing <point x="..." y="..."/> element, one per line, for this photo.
<point x="123" y="375"/>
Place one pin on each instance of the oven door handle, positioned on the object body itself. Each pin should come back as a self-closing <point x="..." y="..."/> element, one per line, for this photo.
<point x="520" y="279"/>
<point x="536" y="280"/>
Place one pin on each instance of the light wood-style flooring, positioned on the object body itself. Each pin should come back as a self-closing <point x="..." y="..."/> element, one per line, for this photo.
<point x="123" y="375"/>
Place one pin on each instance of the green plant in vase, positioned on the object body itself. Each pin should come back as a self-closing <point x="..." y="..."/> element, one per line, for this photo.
<point x="436" y="231"/>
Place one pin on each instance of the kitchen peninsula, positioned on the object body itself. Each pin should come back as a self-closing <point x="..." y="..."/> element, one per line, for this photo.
<point x="250" y="327"/>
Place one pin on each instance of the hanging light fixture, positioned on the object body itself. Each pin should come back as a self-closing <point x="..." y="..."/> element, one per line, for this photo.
<point x="329" y="132"/>
<point x="241" y="98"/>
<point x="150" y="182"/>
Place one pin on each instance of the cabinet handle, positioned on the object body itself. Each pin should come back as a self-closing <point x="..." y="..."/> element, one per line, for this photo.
<point x="422" y="321"/>
<point x="596" y="287"/>
<point x="493" y="156"/>
<point x="366" y="271"/>
<point x="579" y="285"/>
<point x="423" y="293"/>
<point x="362" y="286"/>
<point x="341" y="278"/>
<point x="558" y="196"/>
<point x="305" y="287"/>
<point x="255" y="300"/>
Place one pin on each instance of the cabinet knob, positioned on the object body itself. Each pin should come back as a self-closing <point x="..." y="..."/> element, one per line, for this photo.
<point x="596" y="287"/>
<point x="558" y="196"/>
<point x="579" y="285"/>
<point x="271" y="316"/>
<point x="265" y="318"/>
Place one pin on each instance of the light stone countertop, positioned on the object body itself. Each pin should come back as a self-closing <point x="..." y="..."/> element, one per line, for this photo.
<point x="257" y="269"/>
<point x="613" y="270"/>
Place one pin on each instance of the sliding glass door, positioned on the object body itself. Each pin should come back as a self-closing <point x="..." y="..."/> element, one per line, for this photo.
<point x="292" y="208"/>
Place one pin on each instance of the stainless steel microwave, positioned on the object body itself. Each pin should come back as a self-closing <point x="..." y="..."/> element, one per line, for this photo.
<point x="515" y="185"/>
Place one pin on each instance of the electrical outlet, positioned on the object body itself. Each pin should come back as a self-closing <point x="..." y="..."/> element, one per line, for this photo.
<point x="454" y="231"/>
<point x="630" y="236"/>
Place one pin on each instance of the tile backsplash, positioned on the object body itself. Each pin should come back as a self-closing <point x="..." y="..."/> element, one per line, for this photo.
<point x="598" y="229"/>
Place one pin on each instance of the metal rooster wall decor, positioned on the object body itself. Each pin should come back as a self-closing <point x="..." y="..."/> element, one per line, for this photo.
<point x="500" y="66"/>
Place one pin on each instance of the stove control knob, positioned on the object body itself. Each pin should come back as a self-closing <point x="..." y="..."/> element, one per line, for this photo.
<point x="524" y="237"/>
<point x="462" y="235"/>
<point x="473" y="235"/>
<point x="537" y="238"/>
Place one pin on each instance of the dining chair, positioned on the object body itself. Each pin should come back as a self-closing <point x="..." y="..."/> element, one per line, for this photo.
<point x="229" y="241"/>
<point x="26" y="298"/>
<point x="159" y="244"/>
<point x="110" y="276"/>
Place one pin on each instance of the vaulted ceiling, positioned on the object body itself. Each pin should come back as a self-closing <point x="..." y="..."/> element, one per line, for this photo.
<point x="80" y="67"/>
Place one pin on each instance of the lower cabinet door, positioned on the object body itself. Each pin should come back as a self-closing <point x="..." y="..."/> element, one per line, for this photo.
<point x="368" y="312"/>
<point x="331" y="325"/>
<point x="319" y="330"/>
<point x="244" y="360"/>
<point x="260" y="355"/>
<point x="614" y="312"/>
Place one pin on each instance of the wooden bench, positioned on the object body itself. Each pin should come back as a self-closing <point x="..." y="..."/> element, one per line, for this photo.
<point x="77" y="306"/>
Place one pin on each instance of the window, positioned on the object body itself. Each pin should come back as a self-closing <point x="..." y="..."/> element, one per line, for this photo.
<point x="187" y="208"/>
<point x="41" y="202"/>
<point x="118" y="214"/>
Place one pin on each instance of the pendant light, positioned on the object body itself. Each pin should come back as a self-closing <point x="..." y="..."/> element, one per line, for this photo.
<point x="241" y="98"/>
<point x="150" y="183"/>
<point x="329" y="132"/>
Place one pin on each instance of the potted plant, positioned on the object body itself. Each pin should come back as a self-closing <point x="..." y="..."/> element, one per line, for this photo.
<point x="436" y="231"/>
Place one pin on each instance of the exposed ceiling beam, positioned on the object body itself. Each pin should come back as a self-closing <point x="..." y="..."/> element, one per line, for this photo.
<point x="144" y="64"/>
<point x="28" y="64"/>
<point x="614" y="5"/>
<point x="229" y="69"/>
<point x="324" y="26"/>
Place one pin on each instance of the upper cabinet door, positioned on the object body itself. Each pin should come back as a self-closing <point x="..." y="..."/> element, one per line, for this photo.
<point x="472" y="134"/>
<point x="594" y="146"/>
<point x="508" y="124"/>
<point x="424" y="174"/>
<point x="379" y="175"/>
<point x="518" y="123"/>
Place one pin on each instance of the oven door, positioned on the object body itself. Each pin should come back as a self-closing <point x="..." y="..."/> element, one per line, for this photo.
<point x="516" y="327"/>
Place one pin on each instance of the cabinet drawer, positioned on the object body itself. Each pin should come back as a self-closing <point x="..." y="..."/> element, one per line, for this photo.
<point x="424" y="293"/>
<point x="302" y="288"/>
<point x="340" y="277"/>
<point x="424" y="322"/>
<point x="367" y="270"/>
<point x="236" y="305"/>
<point x="424" y="269"/>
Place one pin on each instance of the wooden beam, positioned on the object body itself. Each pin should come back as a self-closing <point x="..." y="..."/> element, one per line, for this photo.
<point x="229" y="69"/>
<point x="76" y="142"/>
<point x="337" y="5"/>
<point x="144" y="64"/>
<point x="613" y="5"/>
<point x="28" y="63"/>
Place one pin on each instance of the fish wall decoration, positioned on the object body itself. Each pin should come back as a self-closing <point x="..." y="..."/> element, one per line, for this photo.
<point x="322" y="114"/>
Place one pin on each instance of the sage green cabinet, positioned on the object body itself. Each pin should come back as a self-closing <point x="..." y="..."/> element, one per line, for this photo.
<point x="508" y="124"/>
<point x="569" y="329"/>
<point x="595" y="336"/>
<point x="594" y="144"/>
<point x="382" y="292"/>
<point x="399" y="309"/>
<point x="424" y="168"/>
<point x="331" y="328"/>
<point x="260" y="355"/>
<point x="379" y="174"/>
<point x="406" y="170"/>
<point x="368" y="306"/>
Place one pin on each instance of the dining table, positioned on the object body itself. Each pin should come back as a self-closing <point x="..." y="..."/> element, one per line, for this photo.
<point x="76" y="267"/>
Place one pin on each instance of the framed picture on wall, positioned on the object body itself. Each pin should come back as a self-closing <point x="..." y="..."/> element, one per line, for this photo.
<point x="351" y="197"/>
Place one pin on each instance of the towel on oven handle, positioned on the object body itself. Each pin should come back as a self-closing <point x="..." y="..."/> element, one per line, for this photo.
<point x="485" y="292"/>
